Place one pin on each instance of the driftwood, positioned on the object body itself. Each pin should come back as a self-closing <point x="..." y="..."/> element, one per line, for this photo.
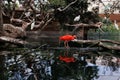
<point x="12" y="40"/>
<point x="102" y="43"/>
<point x="25" y="25"/>
<point x="87" y="26"/>
<point x="99" y="24"/>
<point x="10" y="30"/>
<point x="47" y="22"/>
<point x="38" y="24"/>
<point x="22" y="22"/>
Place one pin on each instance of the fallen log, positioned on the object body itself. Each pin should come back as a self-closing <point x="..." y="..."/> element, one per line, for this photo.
<point x="115" y="47"/>
<point x="102" y="43"/>
<point x="111" y="41"/>
<point x="10" y="30"/>
<point x="12" y="40"/>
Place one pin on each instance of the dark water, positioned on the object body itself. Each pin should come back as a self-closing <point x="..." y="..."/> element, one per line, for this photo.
<point x="104" y="35"/>
<point x="10" y="61"/>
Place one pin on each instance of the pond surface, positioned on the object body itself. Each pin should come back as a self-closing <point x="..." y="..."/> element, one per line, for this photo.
<point x="105" y="73"/>
<point x="105" y="35"/>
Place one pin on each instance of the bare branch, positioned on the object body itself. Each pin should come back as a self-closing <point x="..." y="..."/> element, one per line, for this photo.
<point x="39" y="25"/>
<point x="46" y="24"/>
<point x="101" y="43"/>
<point x="10" y="30"/>
<point x="16" y="20"/>
<point x="86" y="25"/>
<point x="12" y="40"/>
<point x="97" y="25"/>
<point x="109" y="46"/>
<point x="68" y="5"/>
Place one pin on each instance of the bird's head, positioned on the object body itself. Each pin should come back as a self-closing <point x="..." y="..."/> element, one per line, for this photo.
<point x="75" y="36"/>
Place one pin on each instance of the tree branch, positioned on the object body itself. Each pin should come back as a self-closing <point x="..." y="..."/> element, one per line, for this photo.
<point x="101" y="43"/>
<point x="24" y="24"/>
<point x="77" y="26"/>
<point x="46" y="24"/>
<point x="68" y="6"/>
<point x="99" y="24"/>
<point x="10" y="30"/>
<point x="12" y="40"/>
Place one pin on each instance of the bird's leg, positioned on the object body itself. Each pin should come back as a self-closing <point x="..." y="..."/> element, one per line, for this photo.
<point x="66" y="44"/>
<point x="67" y="47"/>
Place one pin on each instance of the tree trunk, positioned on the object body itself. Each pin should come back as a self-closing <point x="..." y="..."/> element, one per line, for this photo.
<point x="2" y="77"/>
<point x="1" y="18"/>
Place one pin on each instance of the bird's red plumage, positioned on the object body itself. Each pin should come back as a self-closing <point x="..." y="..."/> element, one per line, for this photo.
<point x="67" y="38"/>
<point x="67" y="59"/>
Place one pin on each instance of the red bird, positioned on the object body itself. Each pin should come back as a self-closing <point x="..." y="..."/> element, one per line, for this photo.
<point x="66" y="39"/>
<point x="67" y="59"/>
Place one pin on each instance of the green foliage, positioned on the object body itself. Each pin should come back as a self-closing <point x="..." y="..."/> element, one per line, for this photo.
<point x="108" y="26"/>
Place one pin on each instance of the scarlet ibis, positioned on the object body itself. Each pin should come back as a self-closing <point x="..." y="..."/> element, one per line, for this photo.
<point x="66" y="39"/>
<point x="67" y="59"/>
